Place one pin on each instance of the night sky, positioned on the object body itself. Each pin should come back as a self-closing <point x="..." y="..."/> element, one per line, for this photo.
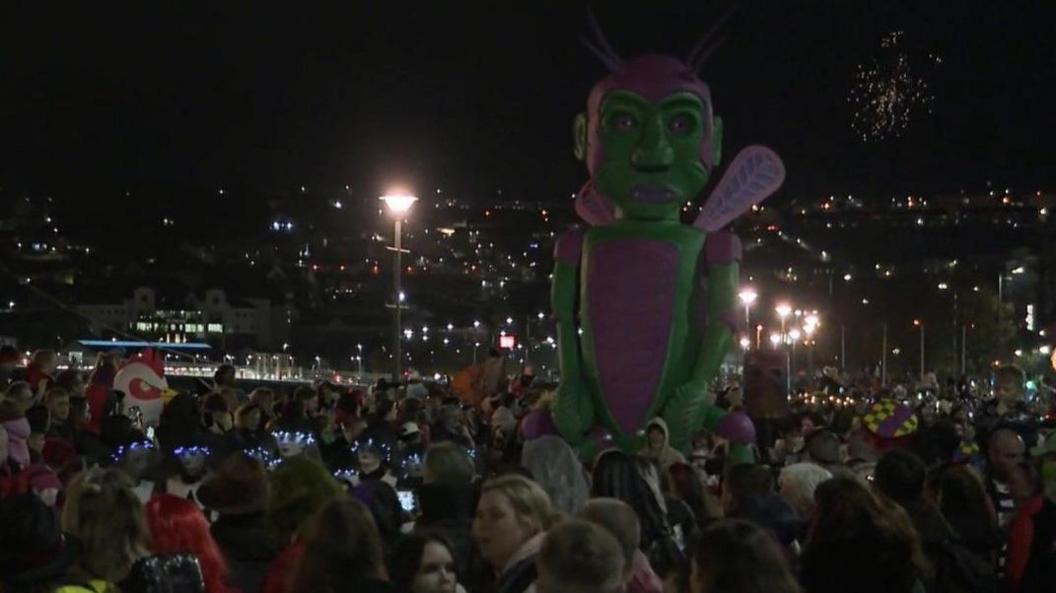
<point x="96" y="100"/>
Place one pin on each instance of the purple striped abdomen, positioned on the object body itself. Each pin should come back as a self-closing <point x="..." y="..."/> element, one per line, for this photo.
<point x="630" y="307"/>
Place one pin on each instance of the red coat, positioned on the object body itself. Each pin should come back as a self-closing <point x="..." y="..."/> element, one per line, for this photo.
<point x="283" y="569"/>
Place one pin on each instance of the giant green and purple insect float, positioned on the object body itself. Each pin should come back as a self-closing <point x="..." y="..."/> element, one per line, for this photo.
<point x="645" y="305"/>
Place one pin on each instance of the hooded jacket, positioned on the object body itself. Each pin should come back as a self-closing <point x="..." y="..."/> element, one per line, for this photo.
<point x="665" y="456"/>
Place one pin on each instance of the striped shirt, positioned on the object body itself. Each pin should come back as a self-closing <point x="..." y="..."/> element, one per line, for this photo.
<point x="1006" y="511"/>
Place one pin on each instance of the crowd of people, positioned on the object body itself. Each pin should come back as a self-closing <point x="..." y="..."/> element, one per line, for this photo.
<point x="403" y="487"/>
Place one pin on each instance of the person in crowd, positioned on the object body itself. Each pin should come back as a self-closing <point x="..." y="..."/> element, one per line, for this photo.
<point x="580" y="557"/>
<point x="72" y="380"/>
<point x="450" y="426"/>
<point x="34" y="555"/>
<point x="99" y="392"/>
<point x="510" y="522"/>
<point x="138" y="459"/>
<point x="300" y="486"/>
<point x="107" y="519"/>
<point x="380" y="423"/>
<point x="224" y="378"/>
<point x="554" y="466"/>
<point x="299" y="412"/>
<point x="735" y="556"/>
<point x="192" y="469"/>
<point x="811" y="422"/>
<point x="39" y="423"/>
<point x="40" y="374"/>
<point x="238" y="492"/>
<point x="424" y="563"/>
<point x="12" y="480"/>
<point x="620" y="520"/>
<point x="775" y="514"/>
<point x="57" y="401"/>
<point x="44" y="483"/>
<point x="1027" y="490"/>
<point x="657" y="446"/>
<point x="686" y="484"/>
<point x="859" y="542"/>
<point x="797" y="483"/>
<point x="1004" y="449"/>
<point x="824" y="448"/>
<point x="177" y="526"/>
<point x="376" y="489"/>
<point x="616" y="475"/>
<point x="218" y="427"/>
<point x="958" y="492"/>
<point x="788" y="447"/>
<point x="181" y="423"/>
<point x="342" y="552"/>
<point x="264" y="398"/>
<point x="447" y="500"/>
<point x="742" y="481"/>
<point x="901" y="476"/>
<point x="250" y="432"/>
<point x="18" y="399"/>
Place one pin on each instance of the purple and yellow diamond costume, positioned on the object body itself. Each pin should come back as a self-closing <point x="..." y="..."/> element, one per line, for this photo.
<point x="645" y="305"/>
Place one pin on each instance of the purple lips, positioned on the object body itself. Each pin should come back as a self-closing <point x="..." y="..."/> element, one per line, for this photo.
<point x="652" y="193"/>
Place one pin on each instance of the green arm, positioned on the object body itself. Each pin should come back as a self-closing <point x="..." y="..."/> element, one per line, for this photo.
<point x="572" y="412"/>
<point x="690" y="406"/>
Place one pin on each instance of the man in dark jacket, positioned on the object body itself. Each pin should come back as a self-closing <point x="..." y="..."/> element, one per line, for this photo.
<point x="901" y="476"/>
<point x="238" y="491"/>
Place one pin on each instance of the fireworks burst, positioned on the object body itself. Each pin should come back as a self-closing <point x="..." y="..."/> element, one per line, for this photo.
<point x="888" y="92"/>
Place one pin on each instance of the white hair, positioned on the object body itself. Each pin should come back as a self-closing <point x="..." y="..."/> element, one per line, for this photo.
<point x="798" y="482"/>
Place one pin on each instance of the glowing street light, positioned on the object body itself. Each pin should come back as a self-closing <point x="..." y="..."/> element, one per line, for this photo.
<point x="746" y="343"/>
<point x="398" y="204"/>
<point x="783" y="311"/>
<point x="775" y="339"/>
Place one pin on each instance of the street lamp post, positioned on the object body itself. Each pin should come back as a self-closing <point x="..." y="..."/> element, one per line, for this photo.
<point x="920" y="324"/>
<point x="808" y="331"/>
<point x="398" y="205"/>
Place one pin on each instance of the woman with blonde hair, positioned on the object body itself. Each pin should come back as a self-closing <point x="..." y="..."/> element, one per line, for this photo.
<point x="512" y="517"/>
<point x="106" y="517"/>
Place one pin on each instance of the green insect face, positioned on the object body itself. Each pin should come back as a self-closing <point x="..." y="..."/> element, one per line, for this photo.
<point x="652" y="163"/>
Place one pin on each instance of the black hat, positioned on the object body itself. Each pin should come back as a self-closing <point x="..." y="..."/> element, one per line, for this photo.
<point x="32" y="549"/>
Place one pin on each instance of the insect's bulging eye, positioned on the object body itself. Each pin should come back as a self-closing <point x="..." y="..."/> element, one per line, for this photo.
<point x="624" y="122"/>
<point x="681" y="124"/>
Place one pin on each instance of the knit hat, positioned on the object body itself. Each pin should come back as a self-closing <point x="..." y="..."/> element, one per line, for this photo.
<point x="889" y="419"/>
<point x="42" y="478"/>
<point x="239" y="486"/>
<point x="58" y="452"/>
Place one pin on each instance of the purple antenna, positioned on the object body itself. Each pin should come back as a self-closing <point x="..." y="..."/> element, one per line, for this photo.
<point x="707" y="44"/>
<point x="599" y="45"/>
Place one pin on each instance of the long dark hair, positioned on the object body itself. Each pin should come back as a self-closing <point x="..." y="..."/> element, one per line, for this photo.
<point x="341" y="548"/>
<point x="860" y="542"/>
<point x="617" y="476"/>
<point x="407" y="556"/>
<point x="736" y="556"/>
